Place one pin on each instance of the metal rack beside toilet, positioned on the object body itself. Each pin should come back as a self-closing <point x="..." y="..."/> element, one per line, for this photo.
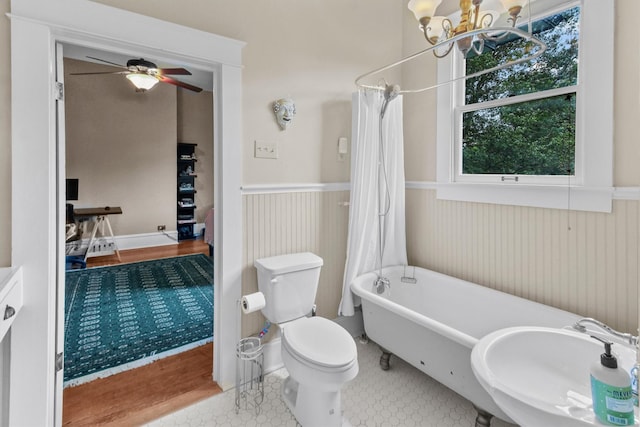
<point x="249" y="374"/>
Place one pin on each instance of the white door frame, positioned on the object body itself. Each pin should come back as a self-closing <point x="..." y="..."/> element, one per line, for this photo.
<point x="60" y="229"/>
<point x="36" y="26"/>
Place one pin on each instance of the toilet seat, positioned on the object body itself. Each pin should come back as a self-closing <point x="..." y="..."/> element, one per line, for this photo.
<point x="320" y="342"/>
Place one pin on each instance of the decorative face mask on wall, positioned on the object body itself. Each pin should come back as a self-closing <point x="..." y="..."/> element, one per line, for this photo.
<point x="285" y="111"/>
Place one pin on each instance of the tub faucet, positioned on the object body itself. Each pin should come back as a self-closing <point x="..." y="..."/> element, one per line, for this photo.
<point x="579" y="326"/>
<point x="380" y="284"/>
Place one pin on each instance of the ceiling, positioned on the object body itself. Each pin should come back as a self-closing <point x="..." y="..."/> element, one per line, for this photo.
<point x="201" y="78"/>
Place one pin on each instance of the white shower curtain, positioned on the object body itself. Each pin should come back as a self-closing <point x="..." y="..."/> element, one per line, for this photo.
<point x="363" y="241"/>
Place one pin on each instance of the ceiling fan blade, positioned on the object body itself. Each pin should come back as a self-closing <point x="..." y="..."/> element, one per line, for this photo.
<point x="174" y="71"/>
<point x="174" y="82"/>
<point x="99" y="72"/>
<point x="107" y="62"/>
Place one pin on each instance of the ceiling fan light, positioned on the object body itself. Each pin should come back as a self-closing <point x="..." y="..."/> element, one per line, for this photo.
<point x="142" y="81"/>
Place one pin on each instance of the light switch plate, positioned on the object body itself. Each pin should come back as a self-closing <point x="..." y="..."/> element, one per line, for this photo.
<point x="343" y="148"/>
<point x="266" y="150"/>
<point x="343" y="145"/>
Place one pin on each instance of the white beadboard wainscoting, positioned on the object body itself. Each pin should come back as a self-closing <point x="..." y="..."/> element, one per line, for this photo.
<point x="583" y="262"/>
<point x="312" y="220"/>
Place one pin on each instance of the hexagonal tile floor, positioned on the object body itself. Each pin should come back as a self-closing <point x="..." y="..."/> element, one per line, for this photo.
<point x="402" y="396"/>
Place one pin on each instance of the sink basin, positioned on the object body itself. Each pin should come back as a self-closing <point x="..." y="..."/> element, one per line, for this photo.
<point x="540" y="376"/>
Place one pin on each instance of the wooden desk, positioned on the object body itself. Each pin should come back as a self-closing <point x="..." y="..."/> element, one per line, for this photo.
<point x="114" y="210"/>
<point x="101" y="216"/>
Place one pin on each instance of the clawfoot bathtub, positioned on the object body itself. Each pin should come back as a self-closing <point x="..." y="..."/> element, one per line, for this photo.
<point x="432" y="321"/>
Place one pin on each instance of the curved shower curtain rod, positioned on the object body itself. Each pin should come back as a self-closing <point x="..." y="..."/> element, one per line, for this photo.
<point x="525" y="35"/>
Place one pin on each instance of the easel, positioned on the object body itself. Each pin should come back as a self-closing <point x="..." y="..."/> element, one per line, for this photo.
<point x="100" y="217"/>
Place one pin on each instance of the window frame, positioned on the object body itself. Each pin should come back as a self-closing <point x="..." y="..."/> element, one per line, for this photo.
<point x="590" y="188"/>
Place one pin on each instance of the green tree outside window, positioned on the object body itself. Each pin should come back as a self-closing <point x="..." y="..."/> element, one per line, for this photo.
<point x="533" y="137"/>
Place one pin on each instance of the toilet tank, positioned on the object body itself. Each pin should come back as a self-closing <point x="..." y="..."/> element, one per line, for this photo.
<point x="289" y="284"/>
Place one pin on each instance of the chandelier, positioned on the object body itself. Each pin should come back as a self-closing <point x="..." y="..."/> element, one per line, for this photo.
<point x="479" y="23"/>
<point x="475" y="21"/>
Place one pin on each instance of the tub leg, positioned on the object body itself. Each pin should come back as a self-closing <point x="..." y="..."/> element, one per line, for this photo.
<point x="384" y="359"/>
<point x="484" y="418"/>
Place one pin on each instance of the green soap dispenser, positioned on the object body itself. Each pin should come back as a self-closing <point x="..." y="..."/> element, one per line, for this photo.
<point x="611" y="390"/>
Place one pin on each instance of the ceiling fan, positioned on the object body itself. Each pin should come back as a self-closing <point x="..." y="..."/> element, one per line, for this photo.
<point x="145" y="74"/>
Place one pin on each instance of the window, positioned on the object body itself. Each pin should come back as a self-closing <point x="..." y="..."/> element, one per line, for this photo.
<point x="529" y="128"/>
<point x="543" y="126"/>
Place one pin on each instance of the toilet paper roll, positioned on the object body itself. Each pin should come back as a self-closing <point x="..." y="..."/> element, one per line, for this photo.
<point x="252" y="302"/>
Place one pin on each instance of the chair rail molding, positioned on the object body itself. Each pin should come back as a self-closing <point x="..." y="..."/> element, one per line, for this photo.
<point x="295" y="188"/>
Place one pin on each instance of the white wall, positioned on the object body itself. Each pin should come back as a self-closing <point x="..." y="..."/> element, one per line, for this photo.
<point x="121" y="145"/>
<point x="309" y="50"/>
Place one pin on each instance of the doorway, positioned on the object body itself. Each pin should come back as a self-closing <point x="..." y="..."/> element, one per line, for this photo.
<point x="120" y="147"/>
<point x="36" y="183"/>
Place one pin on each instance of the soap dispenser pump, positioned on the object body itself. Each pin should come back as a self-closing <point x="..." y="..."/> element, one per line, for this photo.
<point x="611" y="390"/>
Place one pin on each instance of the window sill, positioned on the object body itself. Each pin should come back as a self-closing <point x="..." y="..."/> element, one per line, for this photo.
<point x="517" y="194"/>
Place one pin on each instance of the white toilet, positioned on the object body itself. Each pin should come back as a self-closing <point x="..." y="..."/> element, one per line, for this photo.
<point x="319" y="354"/>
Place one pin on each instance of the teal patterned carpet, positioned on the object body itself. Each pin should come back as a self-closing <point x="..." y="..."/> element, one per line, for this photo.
<point x="119" y="315"/>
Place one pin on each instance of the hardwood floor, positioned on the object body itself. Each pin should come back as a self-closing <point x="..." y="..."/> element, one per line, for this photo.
<point x="132" y="255"/>
<point x="140" y="395"/>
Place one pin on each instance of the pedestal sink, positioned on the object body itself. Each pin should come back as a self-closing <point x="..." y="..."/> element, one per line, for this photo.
<point x="540" y="376"/>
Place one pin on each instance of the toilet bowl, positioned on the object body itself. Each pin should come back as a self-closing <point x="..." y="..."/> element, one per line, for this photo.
<point x="320" y="357"/>
<point x="319" y="354"/>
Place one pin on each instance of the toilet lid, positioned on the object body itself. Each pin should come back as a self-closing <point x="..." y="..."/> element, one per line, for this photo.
<point x="282" y="264"/>
<point x="320" y="341"/>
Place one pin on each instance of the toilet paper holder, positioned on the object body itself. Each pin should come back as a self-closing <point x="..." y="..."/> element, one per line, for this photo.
<point x="249" y="360"/>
